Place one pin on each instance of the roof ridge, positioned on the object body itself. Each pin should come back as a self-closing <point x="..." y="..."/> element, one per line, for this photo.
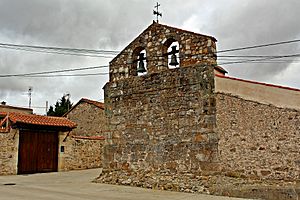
<point x="161" y="25"/>
<point x="41" y="120"/>
<point x="184" y="30"/>
<point x="15" y="107"/>
<point x="96" y="103"/>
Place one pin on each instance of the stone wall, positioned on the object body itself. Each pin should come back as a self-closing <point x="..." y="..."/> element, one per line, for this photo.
<point x="161" y="123"/>
<point x="258" y="141"/>
<point x="9" y="152"/>
<point x="83" y="145"/>
<point x="80" y="153"/>
<point x="193" y="48"/>
<point x="90" y="120"/>
<point x="167" y="123"/>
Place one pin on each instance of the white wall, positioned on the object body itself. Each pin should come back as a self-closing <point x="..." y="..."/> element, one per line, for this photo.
<point x="259" y="92"/>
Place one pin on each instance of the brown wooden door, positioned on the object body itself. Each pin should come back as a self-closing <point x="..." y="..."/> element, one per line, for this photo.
<point x="47" y="152"/>
<point x="38" y="152"/>
<point x="27" y="153"/>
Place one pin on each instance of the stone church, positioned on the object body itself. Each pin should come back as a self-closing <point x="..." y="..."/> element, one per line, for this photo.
<point x="174" y="124"/>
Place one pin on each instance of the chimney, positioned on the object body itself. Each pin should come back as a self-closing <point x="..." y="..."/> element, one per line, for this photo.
<point x="3" y="103"/>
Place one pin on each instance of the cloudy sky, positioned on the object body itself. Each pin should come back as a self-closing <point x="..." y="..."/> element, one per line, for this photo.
<point x="111" y="25"/>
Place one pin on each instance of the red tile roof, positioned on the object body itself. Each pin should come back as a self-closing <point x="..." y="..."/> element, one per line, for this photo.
<point x="220" y="69"/>
<point x="4" y="130"/>
<point x="3" y="114"/>
<point x="259" y="83"/>
<point x="41" y="120"/>
<point x="95" y="103"/>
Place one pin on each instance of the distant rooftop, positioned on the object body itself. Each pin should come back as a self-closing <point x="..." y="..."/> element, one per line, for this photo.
<point x="31" y="119"/>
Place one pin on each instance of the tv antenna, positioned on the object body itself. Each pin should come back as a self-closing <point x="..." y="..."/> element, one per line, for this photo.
<point x="156" y="12"/>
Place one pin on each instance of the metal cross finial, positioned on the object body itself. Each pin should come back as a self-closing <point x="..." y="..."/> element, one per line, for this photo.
<point x="156" y="12"/>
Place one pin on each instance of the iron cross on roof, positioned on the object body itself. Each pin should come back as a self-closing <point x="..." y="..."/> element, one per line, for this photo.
<point x="156" y="12"/>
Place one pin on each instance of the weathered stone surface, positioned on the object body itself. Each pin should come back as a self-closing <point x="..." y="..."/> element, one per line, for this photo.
<point x="154" y="122"/>
<point x="81" y="154"/>
<point x="162" y="123"/>
<point x="155" y="40"/>
<point x="257" y="140"/>
<point x="84" y="153"/>
<point x="169" y="130"/>
<point x="9" y="152"/>
<point x="163" y="180"/>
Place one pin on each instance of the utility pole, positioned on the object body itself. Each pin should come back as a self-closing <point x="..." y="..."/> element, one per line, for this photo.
<point x="46" y="107"/>
<point x="155" y="12"/>
<point x="29" y="96"/>
<point x="67" y="97"/>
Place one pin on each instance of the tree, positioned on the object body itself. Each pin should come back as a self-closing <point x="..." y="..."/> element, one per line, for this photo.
<point x="62" y="106"/>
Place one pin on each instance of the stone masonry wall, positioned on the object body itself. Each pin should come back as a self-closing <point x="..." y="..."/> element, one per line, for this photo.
<point x="161" y="123"/>
<point x="90" y="120"/>
<point x="194" y="48"/>
<point x="258" y="141"/>
<point x="82" y="154"/>
<point x="9" y="152"/>
<point x="85" y="152"/>
<point x="162" y="128"/>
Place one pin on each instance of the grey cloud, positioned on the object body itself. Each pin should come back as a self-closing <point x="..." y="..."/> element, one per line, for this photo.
<point x="258" y="22"/>
<point x="113" y="24"/>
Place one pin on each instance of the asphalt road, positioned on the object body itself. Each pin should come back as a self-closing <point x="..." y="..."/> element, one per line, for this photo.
<point x="77" y="185"/>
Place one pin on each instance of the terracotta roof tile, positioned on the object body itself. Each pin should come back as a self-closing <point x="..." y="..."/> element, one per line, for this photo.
<point x="3" y="130"/>
<point x="41" y="120"/>
<point x="3" y="114"/>
<point x="220" y="69"/>
<point x="96" y="103"/>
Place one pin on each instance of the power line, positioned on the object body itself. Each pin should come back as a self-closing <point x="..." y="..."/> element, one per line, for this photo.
<point x="252" y="56"/>
<point x="261" y="59"/>
<point x="42" y="74"/>
<point x="236" y="57"/>
<point x="54" y="71"/>
<point x="57" y="52"/>
<point x="66" y="75"/>
<point x="39" y="74"/>
<point x="96" y="53"/>
<point x="259" y="46"/>
<point x="61" y="48"/>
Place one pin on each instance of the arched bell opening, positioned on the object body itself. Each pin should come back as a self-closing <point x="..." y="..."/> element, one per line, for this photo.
<point x="171" y="51"/>
<point x="173" y="55"/>
<point x="139" y="61"/>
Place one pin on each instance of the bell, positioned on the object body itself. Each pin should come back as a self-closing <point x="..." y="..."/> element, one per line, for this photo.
<point x="174" y="61"/>
<point x="141" y="68"/>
